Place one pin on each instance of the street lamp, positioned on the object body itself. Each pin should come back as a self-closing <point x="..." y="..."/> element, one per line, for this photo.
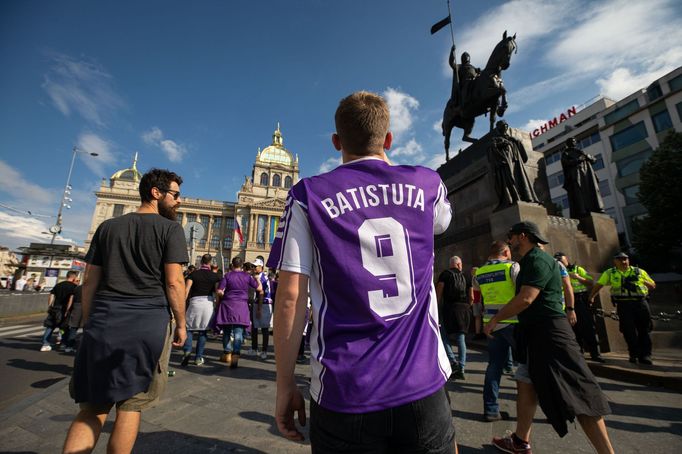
<point x="57" y="228"/>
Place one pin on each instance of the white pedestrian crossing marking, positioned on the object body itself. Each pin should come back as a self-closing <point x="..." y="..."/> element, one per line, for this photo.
<point x="21" y="330"/>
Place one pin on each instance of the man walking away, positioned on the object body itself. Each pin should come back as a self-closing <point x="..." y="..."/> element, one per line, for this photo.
<point x="452" y="291"/>
<point x="361" y="238"/>
<point x="134" y="274"/>
<point x="497" y="283"/>
<point x="584" y="328"/>
<point x="630" y="287"/>
<point x="551" y="371"/>
<point x="262" y="311"/>
<point x="56" y="307"/>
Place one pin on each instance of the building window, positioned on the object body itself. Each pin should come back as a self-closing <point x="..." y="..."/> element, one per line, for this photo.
<point x="202" y="243"/>
<point x="662" y="121"/>
<point x="229" y="233"/>
<point x="215" y="241"/>
<point x="604" y="188"/>
<point x="555" y="179"/>
<point x="628" y="136"/>
<point x="118" y="210"/>
<point x="276" y="180"/>
<point x="590" y="140"/>
<point x="630" y="193"/>
<point x="675" y="83"/>
<point x="632" y="164"/>
<point x="179" y="217"/>
<point x="264" y="179"/>
<point x="287" y="182"/>
<point x="653" y="92"/>
<point x="554" y="157"/>
<point x="599" y="163"/>
<point x="217" y="223"/>
<point x="679" y="110"/>
<point x="260" y="229"/>
<point x="204" y="219"/>
<point x="621" y="112"/>
<point x="191" y="217"/>
<point x="562" y="201"/>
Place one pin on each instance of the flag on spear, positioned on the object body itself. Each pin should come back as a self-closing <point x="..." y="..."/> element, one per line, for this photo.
<point x="238" y="229"/>
<point x="440" y="24"/>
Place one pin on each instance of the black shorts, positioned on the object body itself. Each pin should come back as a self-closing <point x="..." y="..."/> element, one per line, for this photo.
<point x="423" y="426"/>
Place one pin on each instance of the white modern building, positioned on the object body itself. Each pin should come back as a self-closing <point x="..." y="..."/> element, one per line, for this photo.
<point x="621" y="135"/>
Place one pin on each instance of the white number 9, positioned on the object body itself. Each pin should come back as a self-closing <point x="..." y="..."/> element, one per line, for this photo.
<point x="385" y="254"/>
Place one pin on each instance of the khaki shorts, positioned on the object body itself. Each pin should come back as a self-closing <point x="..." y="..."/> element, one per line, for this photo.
<point x="143" y="400"/>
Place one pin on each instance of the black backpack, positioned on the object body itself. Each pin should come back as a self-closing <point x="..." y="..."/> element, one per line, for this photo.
<point x="456" y="289"/>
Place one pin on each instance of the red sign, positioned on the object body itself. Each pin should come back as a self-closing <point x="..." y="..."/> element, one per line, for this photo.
<point x="553" y="122"/>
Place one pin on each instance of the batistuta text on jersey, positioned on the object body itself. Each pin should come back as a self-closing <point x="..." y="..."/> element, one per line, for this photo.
<point x="374" y="195"/>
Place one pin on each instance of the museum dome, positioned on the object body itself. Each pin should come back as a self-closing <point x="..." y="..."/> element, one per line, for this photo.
<point x="131" y="174"/>
<point x="276" y="153"/>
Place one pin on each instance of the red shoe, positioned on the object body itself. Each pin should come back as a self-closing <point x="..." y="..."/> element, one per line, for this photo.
<point x="512" y="444"/>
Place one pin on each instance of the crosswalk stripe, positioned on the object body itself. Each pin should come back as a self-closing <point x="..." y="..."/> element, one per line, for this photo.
<point x="38" y="332"/>
<point x="20" y="330"/>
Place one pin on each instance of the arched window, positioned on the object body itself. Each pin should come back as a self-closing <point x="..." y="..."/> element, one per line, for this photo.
<point x="287" y="182"/>
<point x="276" y="180"/>
<point x="264" y="179"/>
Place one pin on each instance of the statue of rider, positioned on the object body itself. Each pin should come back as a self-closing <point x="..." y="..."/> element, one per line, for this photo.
<point x="461" y="82"/>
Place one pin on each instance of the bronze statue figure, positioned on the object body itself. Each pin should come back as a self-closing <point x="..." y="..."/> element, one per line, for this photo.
<point x="580" y="181"/>
<point x="477" y="92"/>
<point x="507" y="157"/>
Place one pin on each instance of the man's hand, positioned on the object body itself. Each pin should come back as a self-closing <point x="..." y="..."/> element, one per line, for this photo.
<point x="574" y="275"/>
<point x="180" y="336"/>
<point x="290" y="401"/>
<point x="572" y="318"/>
<point x="489" y="327"/>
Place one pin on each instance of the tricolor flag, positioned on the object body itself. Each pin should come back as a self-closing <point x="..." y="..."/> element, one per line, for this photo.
<point x="238" y="229"/>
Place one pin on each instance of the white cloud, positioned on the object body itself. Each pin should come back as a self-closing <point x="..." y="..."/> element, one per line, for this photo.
<point x="83" y="87"/>
<point x="173" y="150"/>
<point x="622" y="82"/>
<point x="92" y="143"/>
<point x="533" y="124"/>
<point x="28" y="193"/>
<point x="329" y="164"/>
<point x="411" y="149"/>
<point x="401" y="107"/>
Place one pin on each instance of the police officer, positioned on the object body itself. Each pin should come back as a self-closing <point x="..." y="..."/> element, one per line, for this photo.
<point x="629" y="290"/>
<point x="496" y="281"/>
<point x="584" y="327"/>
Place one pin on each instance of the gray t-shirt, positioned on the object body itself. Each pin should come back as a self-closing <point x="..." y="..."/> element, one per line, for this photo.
<point x="132" y="251"/>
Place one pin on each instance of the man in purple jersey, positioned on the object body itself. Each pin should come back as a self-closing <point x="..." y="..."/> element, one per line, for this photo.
<point x="360" y="240"/>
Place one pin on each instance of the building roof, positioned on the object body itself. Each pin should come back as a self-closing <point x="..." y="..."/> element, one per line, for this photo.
<point x="131" y="174"/>
<point x="276" y="153"/>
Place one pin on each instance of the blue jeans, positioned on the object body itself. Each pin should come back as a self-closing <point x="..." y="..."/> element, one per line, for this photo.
<point x="462" y="349"/>
<point x="236" y="331"/>
<point x="201" y="343"/>
<point x="47" y="334"/>
<point x="447" y="346"/>
<point x="498" y="355"/>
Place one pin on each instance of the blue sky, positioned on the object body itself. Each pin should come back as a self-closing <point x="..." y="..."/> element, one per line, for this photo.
<point x="197" y="87"/>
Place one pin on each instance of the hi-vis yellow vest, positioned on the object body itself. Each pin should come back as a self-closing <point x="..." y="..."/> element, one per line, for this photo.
<point x="578" y="287"/>
<point x="497" y="288"/>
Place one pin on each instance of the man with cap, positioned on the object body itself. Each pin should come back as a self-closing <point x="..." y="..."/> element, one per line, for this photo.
<point x="262" y="311"/>
<point x="584" y="328"/>
<point x="630" y="287"/>
<point x="552" y="371"/>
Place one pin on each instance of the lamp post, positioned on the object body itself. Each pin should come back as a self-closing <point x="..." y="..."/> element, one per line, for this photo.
<point x="57" y="228"/>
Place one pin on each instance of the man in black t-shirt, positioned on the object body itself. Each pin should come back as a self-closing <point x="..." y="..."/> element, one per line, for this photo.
<point x="56" y="307"/>
<point x="134" y="274"/>
<point x="452" y="292"/>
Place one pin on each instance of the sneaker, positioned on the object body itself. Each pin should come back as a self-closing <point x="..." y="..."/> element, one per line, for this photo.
<point x="459" y="374"/>
<point x="492" y="417"/>
<point x="250" y="352"/>
<point x="646" y="360"/>
<point x="512" y="444"/>
<point x="264" y="355"/>
<point x="301" y="359"/>
<point x="508" y="371"/>
<point x="597" y="359"/>
<point x="199" y="361"/>
<point x="69" y="350"/>
<point x="633" y="360"/>
<point x="185" y="360"/>
<point x="46" y="348"/>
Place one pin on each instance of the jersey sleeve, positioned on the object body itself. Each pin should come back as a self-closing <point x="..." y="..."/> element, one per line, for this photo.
<point x="292" y="249"/>
<point x="645" y="276"/>
<point x="442" y="212"/>
<point x="605" y="278"/>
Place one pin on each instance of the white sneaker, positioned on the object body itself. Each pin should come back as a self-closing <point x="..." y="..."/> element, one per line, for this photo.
<point x="251" y="352"/>
<point x="264" y="355"/>
<point x="199" y="361"/>
<point x="69" y="350"/>
<point x="46" y="348"/>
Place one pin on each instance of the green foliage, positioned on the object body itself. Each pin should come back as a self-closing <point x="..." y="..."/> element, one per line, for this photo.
<point x="657" y="237"/>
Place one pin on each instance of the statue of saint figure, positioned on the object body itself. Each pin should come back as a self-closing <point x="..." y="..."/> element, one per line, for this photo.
<point x="580" y="181"/>
<point x="507" y="157"/>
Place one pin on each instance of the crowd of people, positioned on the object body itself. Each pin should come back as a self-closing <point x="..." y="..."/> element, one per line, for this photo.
<point x="354" y="254"/>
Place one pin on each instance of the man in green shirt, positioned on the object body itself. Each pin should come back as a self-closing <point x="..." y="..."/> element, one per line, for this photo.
<point x="629" y="291"/>
<point x="552" y="371"/>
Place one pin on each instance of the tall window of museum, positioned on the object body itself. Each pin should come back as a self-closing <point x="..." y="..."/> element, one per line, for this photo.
<point x="215" y="232"/>
<point x="118" y="210"/>
<point x="264" y="179"/>
<point x="229" y="233"/>
<point x="204" y="220"/>
<point x="276" y="180"/>
<point x="287" y="182"/>
<point x="628" y="136"/>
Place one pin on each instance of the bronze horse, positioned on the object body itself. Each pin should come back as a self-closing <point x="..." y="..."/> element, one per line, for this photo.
<point x="488" y="95"/>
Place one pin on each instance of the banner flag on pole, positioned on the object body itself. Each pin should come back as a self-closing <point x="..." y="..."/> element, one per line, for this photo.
<point x="238" y="229"/>
<point x="440" y="24"/>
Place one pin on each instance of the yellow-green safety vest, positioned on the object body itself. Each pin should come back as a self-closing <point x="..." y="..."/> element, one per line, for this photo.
<point x="497" y="288"/>
<point x="578" y="287"/>
<point x="620" y="291"/>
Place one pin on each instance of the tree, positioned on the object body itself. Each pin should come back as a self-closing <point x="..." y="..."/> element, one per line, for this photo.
<point x="657" y="237"/>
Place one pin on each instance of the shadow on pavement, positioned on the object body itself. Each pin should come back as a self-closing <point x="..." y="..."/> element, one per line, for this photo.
<point x="38" y="366"/>
<point x="261" y="417"/>
<point x="169" y="442"/>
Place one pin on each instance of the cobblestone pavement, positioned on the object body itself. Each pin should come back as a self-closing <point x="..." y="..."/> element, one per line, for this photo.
<point x="216" y="409"/>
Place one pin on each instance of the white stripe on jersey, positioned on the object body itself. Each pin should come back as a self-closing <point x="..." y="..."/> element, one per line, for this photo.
<point x="443" y="361"/>
<point x="317" y="344"/>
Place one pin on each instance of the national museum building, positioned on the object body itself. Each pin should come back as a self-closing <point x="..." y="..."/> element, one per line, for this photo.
<point x="621" y="135"/>
<point x="259" y="205"/>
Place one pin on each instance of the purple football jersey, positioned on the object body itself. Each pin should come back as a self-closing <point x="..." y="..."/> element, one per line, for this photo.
<point x="363" y="233"/>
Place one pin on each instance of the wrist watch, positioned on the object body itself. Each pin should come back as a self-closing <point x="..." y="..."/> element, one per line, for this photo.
<point x="568" y="309"/>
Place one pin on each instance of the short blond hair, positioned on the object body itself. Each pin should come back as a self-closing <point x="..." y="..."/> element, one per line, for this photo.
<point x="362" y="121"/>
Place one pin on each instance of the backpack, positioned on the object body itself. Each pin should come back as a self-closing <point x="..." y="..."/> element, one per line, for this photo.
<point x="456" y="289"/>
